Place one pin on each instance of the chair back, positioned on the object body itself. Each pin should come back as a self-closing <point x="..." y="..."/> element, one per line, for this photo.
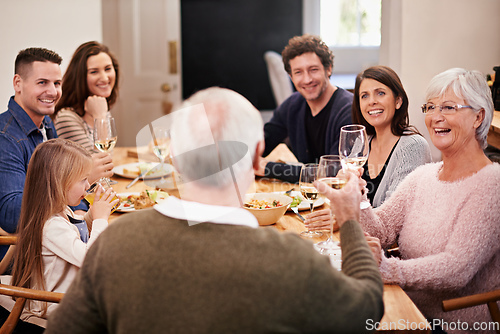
<point x="489" y="298"/>
<point x="280" y="81"/>
<point x="22" y="295"/>
<point x="7" y="240"/>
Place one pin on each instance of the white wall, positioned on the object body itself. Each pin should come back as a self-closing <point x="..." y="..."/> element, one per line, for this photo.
<point x="59" y="25"/>
<point x="421" y="38"/>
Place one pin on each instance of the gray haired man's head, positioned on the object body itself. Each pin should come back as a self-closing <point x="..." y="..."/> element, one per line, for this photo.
<point x="215" y="136"/>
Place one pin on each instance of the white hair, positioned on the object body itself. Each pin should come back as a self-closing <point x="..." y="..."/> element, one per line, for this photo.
<point x="217" y="128"/>
<point x="470" y="86"/>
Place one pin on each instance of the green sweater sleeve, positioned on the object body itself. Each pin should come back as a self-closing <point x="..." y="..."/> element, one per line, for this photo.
<point x="349" y="300"/>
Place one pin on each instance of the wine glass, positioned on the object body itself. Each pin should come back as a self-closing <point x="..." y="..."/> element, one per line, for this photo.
<point x="161" y="146"/>
<point x="105" y="136"/>
<point x="308" y="174"/>
<point x="330" y="172"/>
<point x="354" y="149"/>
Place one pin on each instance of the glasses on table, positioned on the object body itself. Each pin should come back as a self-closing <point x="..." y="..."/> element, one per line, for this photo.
<point x="308" y="174"/>
<point x="161" y="148"/>
<point x="330" y="172"/>
<point x="447" y="109"/>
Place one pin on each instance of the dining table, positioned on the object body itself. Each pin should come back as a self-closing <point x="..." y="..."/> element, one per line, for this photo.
<point x="400" y="316"/>
<point x="494" y="130"/>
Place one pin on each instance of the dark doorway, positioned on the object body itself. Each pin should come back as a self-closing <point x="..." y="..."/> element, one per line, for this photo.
<point x="223" y="44"/>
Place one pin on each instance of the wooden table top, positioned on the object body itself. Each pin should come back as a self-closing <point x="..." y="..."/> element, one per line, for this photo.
<point x="494" y="132"/>
<point x="401" y="314"/>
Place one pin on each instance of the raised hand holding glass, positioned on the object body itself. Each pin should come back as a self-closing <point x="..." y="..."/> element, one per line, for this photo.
<point x="354" y="149"/>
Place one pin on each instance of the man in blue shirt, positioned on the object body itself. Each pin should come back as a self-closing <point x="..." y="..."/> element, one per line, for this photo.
<point x="310" y="118"/>
<point x="37" y="85"/>
<point x="26" y="123"/>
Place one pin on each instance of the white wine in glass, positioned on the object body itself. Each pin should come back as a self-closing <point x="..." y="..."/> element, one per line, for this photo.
<point x="105" y="145"/>
<point x="334" y="182"/>
<point x="354" y="149"/>
<point x="161" y="146"/>
<point x="105" y="136"/>
<point x="161" y="143"/>
<point x="308" y="174"/>
<point x="330" y="172"/>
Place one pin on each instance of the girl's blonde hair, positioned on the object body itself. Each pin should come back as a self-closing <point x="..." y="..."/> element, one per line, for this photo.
<point x="54" y="167"/>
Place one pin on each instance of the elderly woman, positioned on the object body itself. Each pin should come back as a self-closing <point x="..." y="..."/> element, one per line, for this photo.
<point x="445" y="216"/>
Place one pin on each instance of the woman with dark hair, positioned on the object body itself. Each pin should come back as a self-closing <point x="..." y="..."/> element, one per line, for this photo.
<point x="396" y="148"/>
<point x="90" y="88"/>
<point x="445" y="215"/>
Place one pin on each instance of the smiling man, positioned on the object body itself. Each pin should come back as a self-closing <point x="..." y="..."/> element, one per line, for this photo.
<point x="311" y="117"/>
<point x="26" y="123"/>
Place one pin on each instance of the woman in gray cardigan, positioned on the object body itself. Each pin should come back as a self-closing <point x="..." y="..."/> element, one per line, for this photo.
<point x="396" y="148"/>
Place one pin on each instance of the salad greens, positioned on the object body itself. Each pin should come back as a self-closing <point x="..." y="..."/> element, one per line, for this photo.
<point x="296" y="200"/>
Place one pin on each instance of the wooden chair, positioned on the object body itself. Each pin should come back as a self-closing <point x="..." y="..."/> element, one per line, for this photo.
<point x="7" y="240"/>
<point x="21" y="295"/>
<point x="489" y="298"/>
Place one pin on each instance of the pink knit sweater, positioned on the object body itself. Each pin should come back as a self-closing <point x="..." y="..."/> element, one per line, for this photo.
<point x="449" y="237"/>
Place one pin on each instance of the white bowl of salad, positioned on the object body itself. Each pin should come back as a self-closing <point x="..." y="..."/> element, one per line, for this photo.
<point x="268" y="208"/>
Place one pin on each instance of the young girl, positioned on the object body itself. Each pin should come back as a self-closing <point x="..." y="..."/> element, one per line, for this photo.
<point x="51" y="248"/>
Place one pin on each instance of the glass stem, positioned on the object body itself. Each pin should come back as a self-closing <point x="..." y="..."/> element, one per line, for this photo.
<point x="331" y="232"/>
<point x="312" y="208"/>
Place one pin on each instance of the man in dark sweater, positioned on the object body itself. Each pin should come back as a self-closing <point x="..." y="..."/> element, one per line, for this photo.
<point x="201" y="264"/>
<point x="310" y="118"/>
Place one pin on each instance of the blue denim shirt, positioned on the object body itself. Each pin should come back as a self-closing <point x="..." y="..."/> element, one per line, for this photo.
<point x="19" y="137"/>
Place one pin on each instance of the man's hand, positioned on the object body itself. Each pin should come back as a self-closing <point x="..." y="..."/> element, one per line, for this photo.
<point x="101" y="167"/>
<point x="261" y="166"/>
<point x="320" y="220"/>
<point x="344" y="203"/>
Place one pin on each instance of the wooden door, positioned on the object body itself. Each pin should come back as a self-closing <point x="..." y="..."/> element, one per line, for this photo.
<point x="145" y="36"/>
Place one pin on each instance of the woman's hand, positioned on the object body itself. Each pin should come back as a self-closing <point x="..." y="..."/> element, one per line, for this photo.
<point x="320" y="220"/>
<point x="102" y="166"/>
<point x="375" y="247"/>
<point x="104" y="201"/>
<point x="96" y="106"/>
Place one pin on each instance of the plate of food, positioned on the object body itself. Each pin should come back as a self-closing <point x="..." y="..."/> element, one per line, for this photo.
<point x="300" y="202"/>
<point x="136" y="201"/>
<point x="153" y="170"/>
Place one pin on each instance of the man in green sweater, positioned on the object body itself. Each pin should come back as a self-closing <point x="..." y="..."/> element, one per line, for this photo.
<point x="200" y="264"/>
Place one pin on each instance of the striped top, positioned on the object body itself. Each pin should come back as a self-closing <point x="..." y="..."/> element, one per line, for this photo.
<point x="71" y="126"/>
